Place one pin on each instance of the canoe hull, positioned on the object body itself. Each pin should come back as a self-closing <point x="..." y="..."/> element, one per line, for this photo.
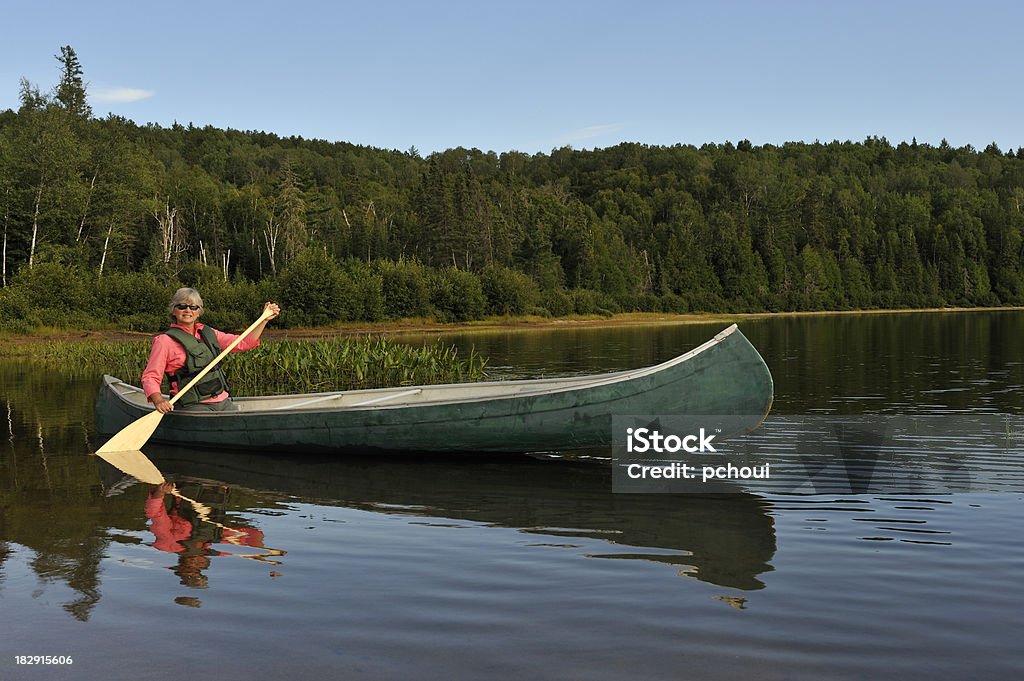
<point x="725" y="376"/>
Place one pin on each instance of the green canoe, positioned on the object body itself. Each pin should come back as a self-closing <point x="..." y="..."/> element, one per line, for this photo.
<point x="725" y="376"/>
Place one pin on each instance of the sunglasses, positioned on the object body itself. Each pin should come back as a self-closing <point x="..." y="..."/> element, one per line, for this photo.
<point x="183" y="306"/>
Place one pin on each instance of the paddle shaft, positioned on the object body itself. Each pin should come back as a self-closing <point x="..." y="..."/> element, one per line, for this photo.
<point x="223" y="353"/>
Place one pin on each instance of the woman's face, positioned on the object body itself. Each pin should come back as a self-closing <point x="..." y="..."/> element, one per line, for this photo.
<point x="187" y="316"/>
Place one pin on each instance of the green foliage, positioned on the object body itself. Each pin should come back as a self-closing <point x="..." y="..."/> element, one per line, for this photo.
<point x="233" y="305"/>
<point x="125" y="359"/>
<point x="673" y="304"/>
<point x="557" y="302"/>
<point x="136" y="299"/>
<point x="368" y="303"/>
<point x="195" y="274"/>
<point x="508" y="292"/>
<point x="344" y="364"/>
<point x="406" y="289"/>
<point x="586" y="301"/>
<point x="15" y="309"/>
<point x="55" y="286"/>
<point x="720" y="227"/>
<point x="287" y="367"/>
<point x="314" y="291"/>
<point x="457" y="295"/>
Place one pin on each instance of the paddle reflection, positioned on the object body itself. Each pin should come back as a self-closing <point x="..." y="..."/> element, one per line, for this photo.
<point x="185" y="522"/>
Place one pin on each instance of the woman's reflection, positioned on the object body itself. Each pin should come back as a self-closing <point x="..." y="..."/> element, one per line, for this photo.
<point x="181" y="527"/>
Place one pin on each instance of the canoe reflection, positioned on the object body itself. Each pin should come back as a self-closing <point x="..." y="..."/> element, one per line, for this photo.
<point x="724" y="539"/>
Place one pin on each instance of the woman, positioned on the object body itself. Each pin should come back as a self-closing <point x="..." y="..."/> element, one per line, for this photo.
<point x="185" y="349"/>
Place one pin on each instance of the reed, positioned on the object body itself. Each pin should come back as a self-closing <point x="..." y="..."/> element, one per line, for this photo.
<point x="282" y="367"/>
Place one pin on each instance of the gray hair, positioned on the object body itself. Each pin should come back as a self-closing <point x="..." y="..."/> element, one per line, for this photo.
<point x="189" y="296"/>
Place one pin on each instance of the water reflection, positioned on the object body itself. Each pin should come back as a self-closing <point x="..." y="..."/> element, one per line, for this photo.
<point x="722" y="539"/>
<point x="48" y="496"/>
<point x="190" y="527"/>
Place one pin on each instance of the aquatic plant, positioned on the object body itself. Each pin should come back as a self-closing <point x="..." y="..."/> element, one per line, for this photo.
<point x="288" y="366"/>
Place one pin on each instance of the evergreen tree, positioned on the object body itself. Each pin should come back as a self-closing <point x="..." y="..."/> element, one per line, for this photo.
<point x="70" y="92"/>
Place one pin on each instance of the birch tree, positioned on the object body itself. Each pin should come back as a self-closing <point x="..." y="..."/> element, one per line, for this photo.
<point x="6" y="182"/>
<point x="173" y="241"/>
<point x="271" y="235"/>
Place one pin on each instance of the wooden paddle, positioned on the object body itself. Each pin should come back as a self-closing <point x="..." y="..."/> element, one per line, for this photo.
<point x="123" y="450"/>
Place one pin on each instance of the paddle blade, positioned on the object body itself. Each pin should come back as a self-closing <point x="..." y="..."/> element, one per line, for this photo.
<point x="134" y="435"/>
<point x="135" y="464"/>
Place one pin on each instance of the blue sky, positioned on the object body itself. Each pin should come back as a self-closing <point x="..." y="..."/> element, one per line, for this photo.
<point x="533" y="76"/>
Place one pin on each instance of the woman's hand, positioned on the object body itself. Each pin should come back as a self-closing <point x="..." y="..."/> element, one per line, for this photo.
<point x="163" y="406"/>
<point x="274" y="310"/>
<point x="160" y="490"/>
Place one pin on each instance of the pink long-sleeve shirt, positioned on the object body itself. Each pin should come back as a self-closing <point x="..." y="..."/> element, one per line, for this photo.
<point x="170" y="530"/>
<point x="167" y="356"/>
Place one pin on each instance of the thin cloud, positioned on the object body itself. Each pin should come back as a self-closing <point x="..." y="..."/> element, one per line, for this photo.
<point x="589" y="132"/>
<point x="121" y="94"/>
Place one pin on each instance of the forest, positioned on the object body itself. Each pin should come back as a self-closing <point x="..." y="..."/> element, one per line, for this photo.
<point x="102" y="218"/>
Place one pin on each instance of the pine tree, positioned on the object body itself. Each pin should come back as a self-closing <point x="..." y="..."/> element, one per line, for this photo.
<point x="291" y="201"/>
<point x="70" y="92"/>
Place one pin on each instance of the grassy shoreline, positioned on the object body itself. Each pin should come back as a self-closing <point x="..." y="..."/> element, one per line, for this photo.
<point x="13" y="345"/>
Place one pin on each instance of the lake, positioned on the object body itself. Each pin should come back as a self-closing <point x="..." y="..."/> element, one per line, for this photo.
<point x="518" y="567"/>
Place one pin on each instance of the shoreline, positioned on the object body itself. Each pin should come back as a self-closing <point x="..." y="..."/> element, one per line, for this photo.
<point x="411" y="327"/>
<point x="417" y="327"/>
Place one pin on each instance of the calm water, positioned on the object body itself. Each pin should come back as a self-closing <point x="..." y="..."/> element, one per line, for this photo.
<point x="520" y="568"/>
